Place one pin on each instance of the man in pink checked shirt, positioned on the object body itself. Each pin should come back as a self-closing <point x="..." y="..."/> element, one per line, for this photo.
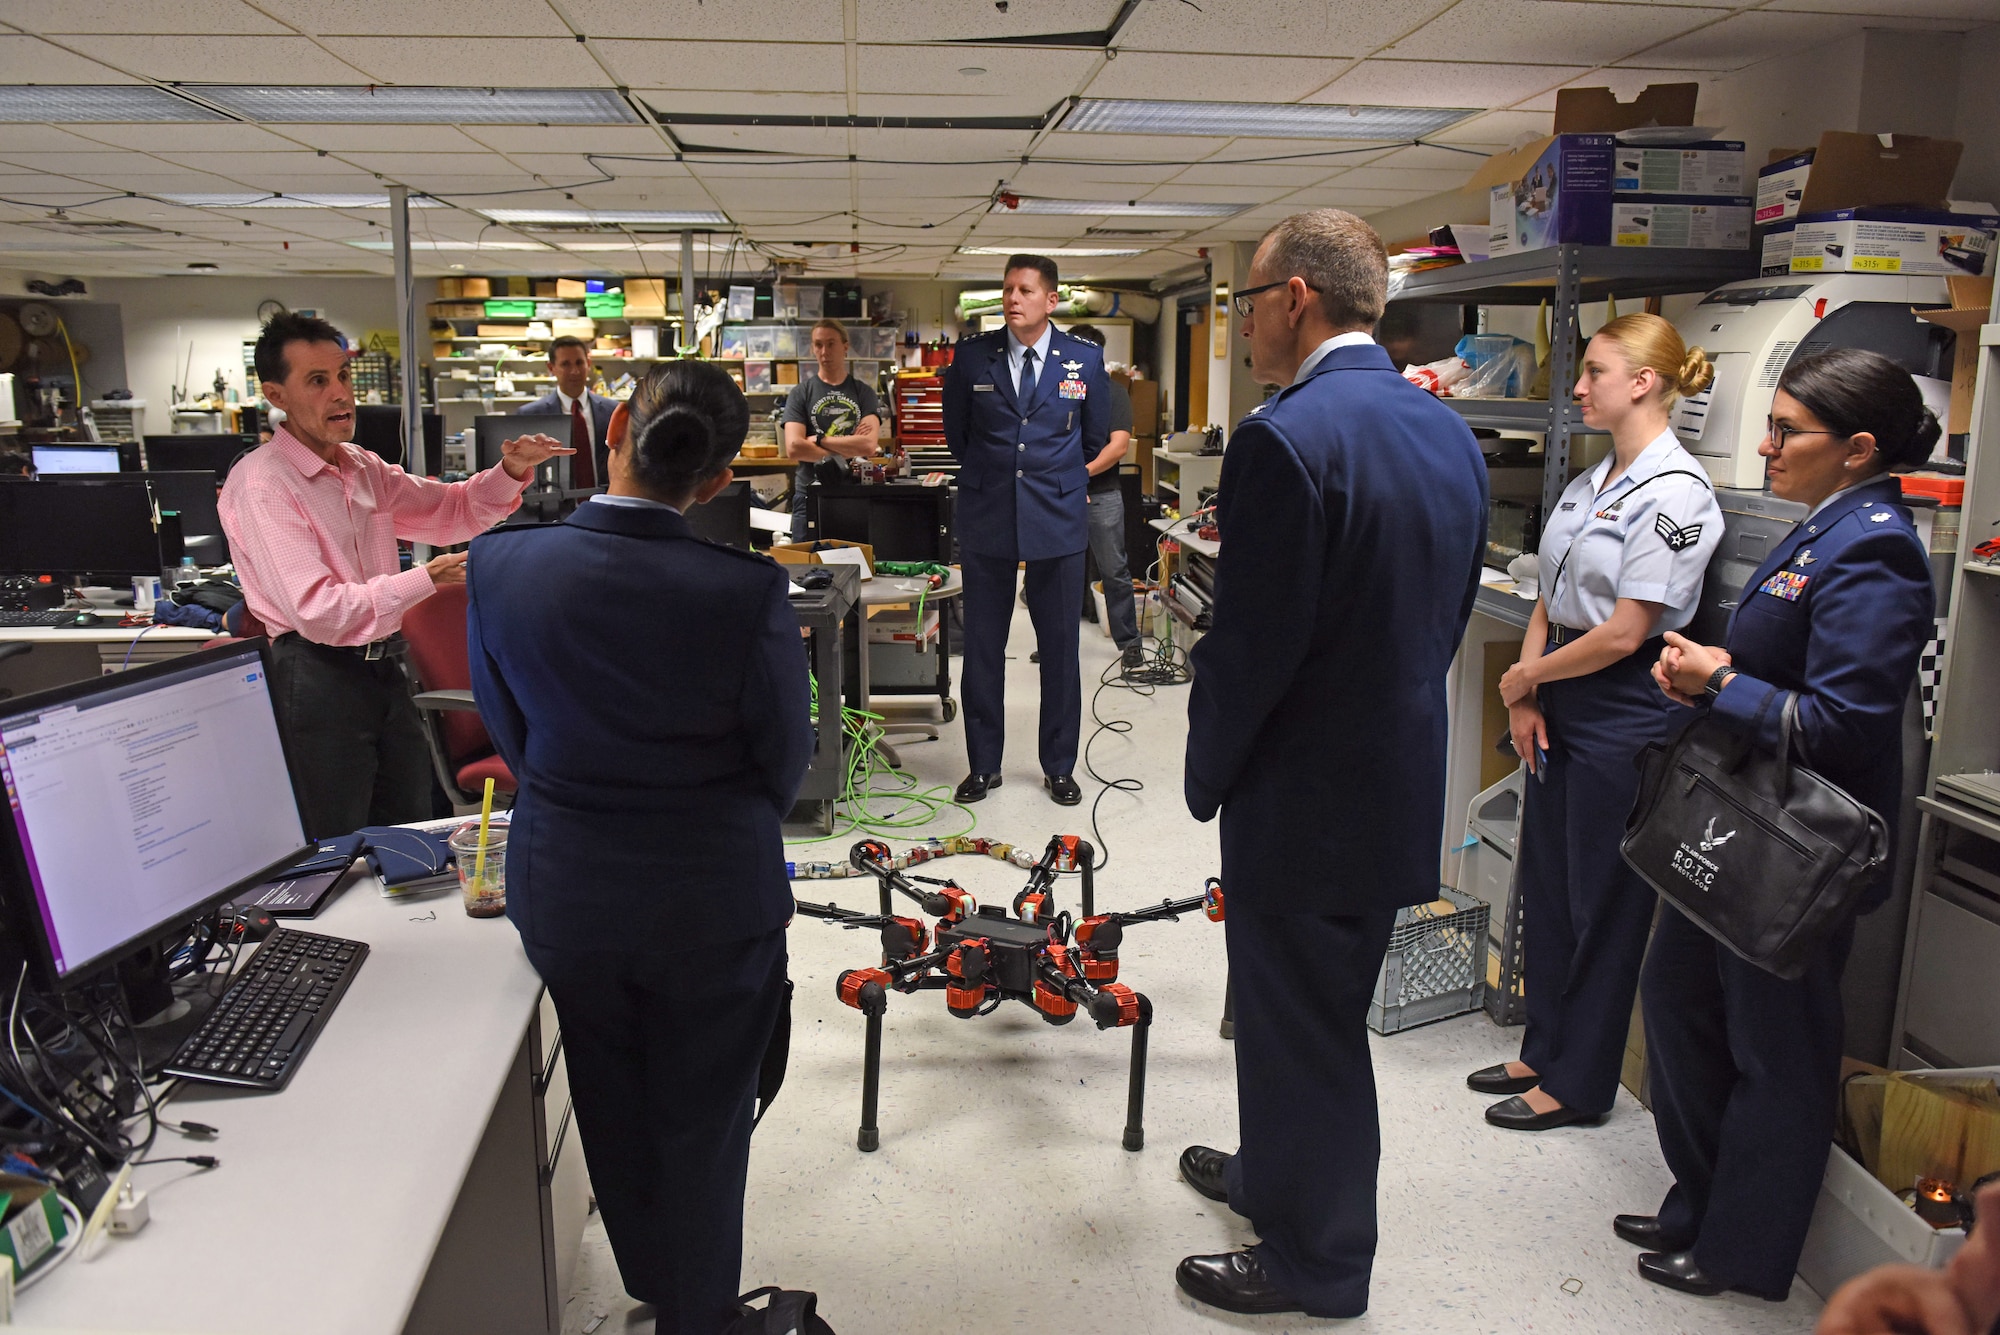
<point x="313" y="524"/>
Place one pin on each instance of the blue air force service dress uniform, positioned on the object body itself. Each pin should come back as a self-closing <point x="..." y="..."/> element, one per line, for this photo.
<point x="1647" y="536"/>
<point x="1024" y="428"/>
<point x="656" y="758"/>
<point x="1746" y="1065"/>
<point x="1353" y="517"/>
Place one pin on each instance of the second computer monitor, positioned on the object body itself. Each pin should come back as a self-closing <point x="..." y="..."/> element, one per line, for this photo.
<point x="75" y="458"/>
<point x="902" y="521"/>
<point x="191" y="495"/>
<point x="491" y="431"/>
<point x="99" y="529"/>
<point x="725" y="518"/>
<point x="217" y="454"/>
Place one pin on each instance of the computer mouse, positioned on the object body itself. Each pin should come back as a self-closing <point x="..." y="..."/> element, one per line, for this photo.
<point x="87" y="619"/>
<point x="820" y="578"/>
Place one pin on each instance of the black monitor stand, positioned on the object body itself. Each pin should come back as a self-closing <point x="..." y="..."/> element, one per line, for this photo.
<point x="162" y="1014"/>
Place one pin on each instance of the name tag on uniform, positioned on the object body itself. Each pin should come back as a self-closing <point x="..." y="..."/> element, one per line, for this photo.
<point x="1070" y="389"/>
<point x="1786" y="584"/>
<point x="979" y="387"/>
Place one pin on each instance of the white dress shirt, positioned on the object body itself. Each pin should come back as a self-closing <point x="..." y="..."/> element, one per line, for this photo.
<point x="1353" y="338"/>
<point x="1017" y="351"/>
<point x="589" y="421"/>
<point x="632" y="502"/>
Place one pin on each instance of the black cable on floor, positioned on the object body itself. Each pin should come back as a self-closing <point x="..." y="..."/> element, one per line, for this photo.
<point x="1165" y="665"/>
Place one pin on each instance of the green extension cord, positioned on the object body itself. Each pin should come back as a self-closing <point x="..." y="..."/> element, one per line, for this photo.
<point x="868" y="779"/>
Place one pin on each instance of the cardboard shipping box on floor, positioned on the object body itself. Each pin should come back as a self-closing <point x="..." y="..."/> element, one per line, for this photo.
<point x="1971" y="301"/>
<point x="826" y="551"/>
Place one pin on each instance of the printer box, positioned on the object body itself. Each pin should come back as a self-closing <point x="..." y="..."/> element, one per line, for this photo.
<point x="1775" y="252"/>
<point x="1681" y="222"/>
<point x="1712" y="167"/>
<point x="1561" y="195"/>
<point x="1781" y="186"/>
<point x="1896" y="241"/>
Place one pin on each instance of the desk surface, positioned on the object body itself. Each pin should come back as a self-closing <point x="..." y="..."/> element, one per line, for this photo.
<point x="1186" y="538"/>
<point x="111" y="634"/>
<point x="331" y="1195"/>
<point x="885" y="589"/>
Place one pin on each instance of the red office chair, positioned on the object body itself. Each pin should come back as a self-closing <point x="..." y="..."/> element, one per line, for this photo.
<point x="441" y="678"/>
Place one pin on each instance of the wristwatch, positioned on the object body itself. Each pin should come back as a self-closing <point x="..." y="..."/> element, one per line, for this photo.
<point x="1717" y="677"/>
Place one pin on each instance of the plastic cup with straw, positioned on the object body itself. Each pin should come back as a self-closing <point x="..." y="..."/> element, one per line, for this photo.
<point x="487" y="847"/>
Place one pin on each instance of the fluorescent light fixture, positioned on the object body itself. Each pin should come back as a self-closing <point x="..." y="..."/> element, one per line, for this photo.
<point x="76" y="104"/>
<point x="1270" y="120"/>
<point x="422" y="106"/>
<point x="627" y="247"/>
<point x="1137" y="208"/>
<point x="451" y="245"/>
<point x="611" y="217"/>
<point x="267" y="200"/>
<point x="1053" y="252"/>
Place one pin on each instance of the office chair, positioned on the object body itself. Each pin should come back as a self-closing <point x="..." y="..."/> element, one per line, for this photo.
<point x="441" y="681"/>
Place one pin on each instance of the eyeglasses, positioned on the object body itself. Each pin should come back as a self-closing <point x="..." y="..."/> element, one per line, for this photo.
<point x="1242" y="300"/>
<point x="1778" y="435"/>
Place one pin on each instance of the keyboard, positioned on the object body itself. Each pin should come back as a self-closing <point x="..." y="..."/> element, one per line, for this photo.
<point x="261" y="1029"/>
<point x="49" y="617"/>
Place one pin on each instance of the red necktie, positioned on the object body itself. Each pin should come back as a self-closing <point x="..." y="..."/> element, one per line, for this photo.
<point x="582" y="464"/>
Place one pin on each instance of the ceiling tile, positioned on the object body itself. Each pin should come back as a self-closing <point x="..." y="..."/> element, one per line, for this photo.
<point x="1294" y="175"/>
<point x="1987" y="11"/>
<point x="1027" y="101"/>
<point x="219" y="58"/>
<point x="1530" y="30"/>
<point x="517" y="139"/>
<point x="1246" y="78"/>
<point x="1047" y="76"/>
<point x="1428" y="180"/>
<point x="1333" y="195"/>
<point x="721" y="173"/>
<point x="705" y="20"/>
<point x="407" y="166"/>
<point x="1093" y="182"/>
<point x="298" y="163"/>
<point x="433" y="18"/>
<point x="972" y="180"/>
<point x="502" y="62"/>
<point x="741" y="67"/>
<point x="94" y="165"/>
<point x="1278" y="27"/>
<point x="31" y="60"/>
<point x="49" y="139"/>
<point x="1746" y="39"/>
<point x="1498" y="128"/>
<point x="927" y="21"/>
<point x="1428" y="83"/>
<point x="1183" y="192"/>
<point x="1437" y="159"/>
<point x="121" y="16"/>
<point x="347" y="138"/>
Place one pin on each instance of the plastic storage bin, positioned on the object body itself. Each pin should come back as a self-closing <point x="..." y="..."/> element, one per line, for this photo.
<point x="1435" y="967"/>
<point x="1859" y="1224"/>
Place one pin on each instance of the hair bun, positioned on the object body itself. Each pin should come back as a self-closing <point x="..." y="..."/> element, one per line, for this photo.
<point x="1697" y="372"/>
<point x="677" y="432"/>
<point x="1929" y="429"/>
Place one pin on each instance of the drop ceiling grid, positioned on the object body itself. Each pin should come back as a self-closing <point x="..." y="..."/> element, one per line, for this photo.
<point x="195" y="60"/>
<point x="483" y="62"/>
<point x="433" y="18"/>
<point x="1237" y="78"/>
<point x="1745" y="39"/>
<point x="1476" y="85"/>
<point x="31" y="60"/>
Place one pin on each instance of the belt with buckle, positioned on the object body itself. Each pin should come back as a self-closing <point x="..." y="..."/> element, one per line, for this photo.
<point x="392" y="646"/>
<point x="1562" y="634"/>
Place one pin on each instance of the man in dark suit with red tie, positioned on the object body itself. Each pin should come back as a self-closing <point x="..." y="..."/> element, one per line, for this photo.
<point x="589" y="413"/>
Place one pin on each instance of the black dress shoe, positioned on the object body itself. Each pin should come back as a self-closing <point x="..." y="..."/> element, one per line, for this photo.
<point x="973" y="787"/>
<point x="1644" y="1231"/>
<point x="1062" y="788"/>
<point x="1515" y="1114"/>
<point x="1495" y="1080"/>
<point x="1235" y="1282"/>
<point x="1201" y="1168"/>
<point x="1677" y="1270"/>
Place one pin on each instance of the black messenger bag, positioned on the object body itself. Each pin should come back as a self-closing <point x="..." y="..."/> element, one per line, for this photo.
<point x="1763" y="854"/>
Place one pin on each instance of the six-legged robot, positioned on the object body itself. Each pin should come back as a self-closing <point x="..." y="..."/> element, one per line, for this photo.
<point x="981" y="956"/>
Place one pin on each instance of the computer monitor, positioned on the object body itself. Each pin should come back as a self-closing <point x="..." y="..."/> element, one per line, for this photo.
<point x="190" y="495"/>
<point x="102" y="529"/>
<point x="217" y="454"/>
<point x="490" y="431"/>
<point x="725" y="518"/>
<point x="75" y="458"/>
<point x="137" y="802"/>
<point x="901" y="521"/>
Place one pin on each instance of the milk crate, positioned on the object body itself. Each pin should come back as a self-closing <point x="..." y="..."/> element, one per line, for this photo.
<point x="1435" y="967"/>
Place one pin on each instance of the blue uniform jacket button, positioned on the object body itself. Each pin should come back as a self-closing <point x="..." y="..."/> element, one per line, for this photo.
<point x="1020" y="472"/>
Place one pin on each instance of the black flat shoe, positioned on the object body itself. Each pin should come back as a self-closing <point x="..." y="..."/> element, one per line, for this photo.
<point x="1677" y="1270"/>
<point x="1644" y="1231"/>
<point x="1495" y="1080"/>
<point x="1062" y="789"/>
<point x="1235" y="1282"/>
<point x="1201" y="1168"/>
<point x="973" y="787"/>
<point x="1516" y="1115"/>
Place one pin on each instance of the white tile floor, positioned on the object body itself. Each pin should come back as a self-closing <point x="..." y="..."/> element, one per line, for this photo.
<point x="1000" y="1199"/>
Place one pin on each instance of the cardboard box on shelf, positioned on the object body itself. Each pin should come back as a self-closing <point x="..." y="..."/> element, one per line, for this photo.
<point x="1681" y="222"/>
<point x="516" y="285"/>
<point x="1776" y="249"/>
<point x="1781" y="185"/>
<point x="578" y="327"/>
<point x="1598" y="110"/>
<point x="645" y="298"/>
<point x="545" y="289"/>
<point x="475" y="289"/>
<point x="1878" y="171"/>
<point x="570" y="289"/>
<point x="458" y="310"/>
<point x="450" y="289"/>
<point x="1971" y="301"/>
<point x="1712" y="167"/>
<point x="1550" y="193"/>
<point x="502" y="331"/>
<point x="1895" y="241"/>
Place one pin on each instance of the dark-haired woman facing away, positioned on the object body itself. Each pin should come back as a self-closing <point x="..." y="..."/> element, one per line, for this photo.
<point x="1745" y="1065"/>
<point x="649" y="692"/>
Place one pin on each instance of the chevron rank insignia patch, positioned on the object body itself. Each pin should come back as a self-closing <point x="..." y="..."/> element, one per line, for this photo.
<point x="1676" y="537"/>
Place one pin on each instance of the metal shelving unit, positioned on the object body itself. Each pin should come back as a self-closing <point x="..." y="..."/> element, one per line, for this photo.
<point x="1566" y="277"/>
<point x="1948" y="999"/>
